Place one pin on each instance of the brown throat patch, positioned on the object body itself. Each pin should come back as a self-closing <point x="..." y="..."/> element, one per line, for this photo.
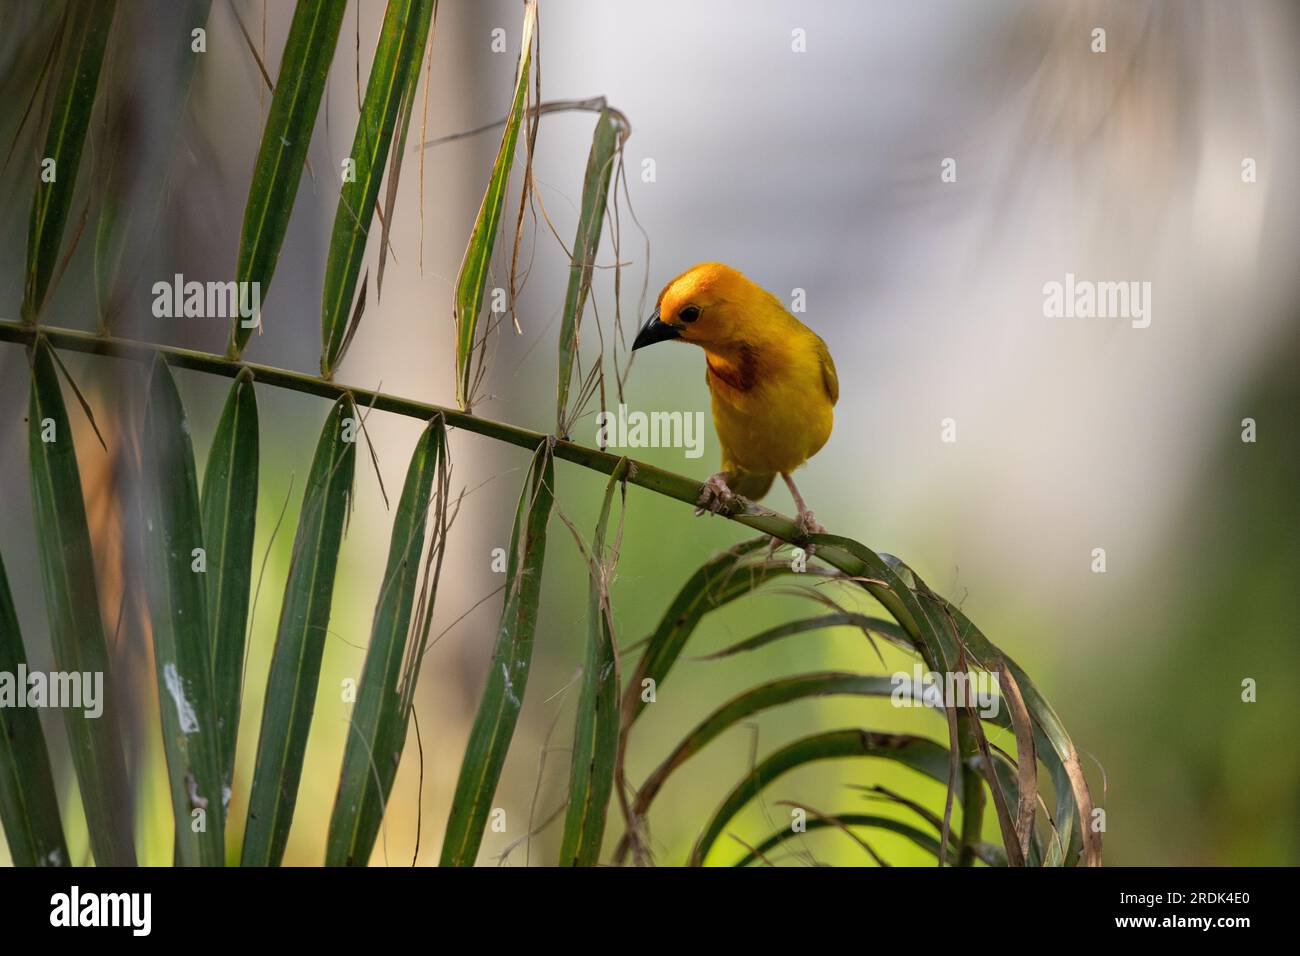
<point x="742" y="375"/>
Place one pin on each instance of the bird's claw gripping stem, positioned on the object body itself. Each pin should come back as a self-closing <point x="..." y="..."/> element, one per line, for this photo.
<point x="715" y="497"/>
<point x="807" y="525"/>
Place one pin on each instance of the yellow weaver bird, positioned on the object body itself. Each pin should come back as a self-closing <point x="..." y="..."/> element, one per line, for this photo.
<point x="771" y="377"/>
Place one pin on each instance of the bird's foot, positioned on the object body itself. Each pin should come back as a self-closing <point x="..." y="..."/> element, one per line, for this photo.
<point x="716" y="497"/>
<point x="807" y="525"/>
<point x="804" y="521"/>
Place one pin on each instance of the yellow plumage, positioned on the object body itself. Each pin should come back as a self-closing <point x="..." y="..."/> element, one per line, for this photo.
<point x="772" y="379"/>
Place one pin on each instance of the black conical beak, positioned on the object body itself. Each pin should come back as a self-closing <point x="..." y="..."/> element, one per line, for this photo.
<point x="655" y="331"/>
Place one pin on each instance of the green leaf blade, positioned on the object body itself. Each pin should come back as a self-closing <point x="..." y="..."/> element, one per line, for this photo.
<point x="229" y="503"/>
<point x="605" y="142"/>
<point x="304" y="68"/>
<point x="474" y="267"/>
<point x="29" y="805"/>
<point x="72" y="603"/>
<point x="868" y="625"/>
<point x="300" y="639"/>
<point x="595" y="735"/>
<point x="179" y="617"/>
<point x="89" y="24"/>
<point x="379" y="720"/>
<point x="406" y="109"/>
<point x="783" y="690"/>
<point x="870" y="820"/>
<point x="920" y="754"/>
<point x="397" y="57"/>
<point x="1078" y="840"/>
<point x="720" y="580"/>
<point x="498" y="712"/>
<point x="917" y="608"/>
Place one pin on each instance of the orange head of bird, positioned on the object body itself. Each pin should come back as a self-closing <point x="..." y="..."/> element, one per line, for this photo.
<point x="702" y="306"/>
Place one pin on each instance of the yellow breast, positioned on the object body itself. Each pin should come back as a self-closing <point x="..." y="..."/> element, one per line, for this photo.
<point x="779" y="421"/>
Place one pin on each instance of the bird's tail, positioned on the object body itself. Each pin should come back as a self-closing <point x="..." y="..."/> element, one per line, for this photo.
<point x="753" y="485"/>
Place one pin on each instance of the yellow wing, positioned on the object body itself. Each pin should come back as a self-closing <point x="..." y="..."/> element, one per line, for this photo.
<point x="829" y="378"/>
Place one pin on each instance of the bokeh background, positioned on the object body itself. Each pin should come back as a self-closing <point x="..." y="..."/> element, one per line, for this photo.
<point x="816" y="170"/>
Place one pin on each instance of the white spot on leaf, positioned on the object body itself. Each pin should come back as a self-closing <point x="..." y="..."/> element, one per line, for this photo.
<point x="176" y="687"/>
<point x="510" y="685"/>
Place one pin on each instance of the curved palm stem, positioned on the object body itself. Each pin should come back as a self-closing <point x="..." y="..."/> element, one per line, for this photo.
<point x="658" y="480"/>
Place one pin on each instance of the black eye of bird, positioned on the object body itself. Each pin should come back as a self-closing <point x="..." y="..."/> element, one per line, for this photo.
<point x="689" y="314"/>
